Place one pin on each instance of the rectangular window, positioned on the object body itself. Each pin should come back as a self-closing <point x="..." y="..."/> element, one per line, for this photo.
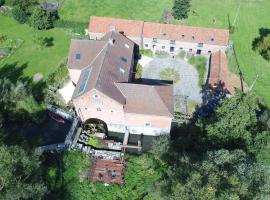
<point x="147" y="124"/>
<point x="190" y="50"/>
<point x="172" y="41"/>
<point x="98" y="109"/>
<point x="163" y="47"/>
<point x="200" y="45"/>
<point x="146" y="45"/>
<point x="212" y="39"/>
<point x="209" y="52"/>
<point x="154" y="39"/>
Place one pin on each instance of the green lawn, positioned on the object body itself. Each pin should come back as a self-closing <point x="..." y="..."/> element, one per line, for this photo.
<point x="80" y="11"/>
<point x="44" y="60"/>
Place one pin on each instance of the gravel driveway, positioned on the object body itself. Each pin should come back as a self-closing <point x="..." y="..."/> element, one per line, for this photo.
<point x="188" y="84"/>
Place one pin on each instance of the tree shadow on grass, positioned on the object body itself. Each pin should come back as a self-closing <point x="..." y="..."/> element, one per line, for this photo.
<point x="49" y="41"/>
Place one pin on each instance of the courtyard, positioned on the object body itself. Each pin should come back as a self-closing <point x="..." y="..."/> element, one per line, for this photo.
<point x="183" y="74"/>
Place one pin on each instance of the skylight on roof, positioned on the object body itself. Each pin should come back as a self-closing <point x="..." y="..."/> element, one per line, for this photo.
<point x="124" y="59"/>
<point x="85" y="79"/>
<point x="121" y="70"/>
<point x="78" y="56"/>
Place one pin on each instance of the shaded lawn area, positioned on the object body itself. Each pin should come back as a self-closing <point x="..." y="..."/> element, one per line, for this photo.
<point x="43" y="60"/>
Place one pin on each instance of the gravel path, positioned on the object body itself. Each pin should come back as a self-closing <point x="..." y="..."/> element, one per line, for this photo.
<point x="188" y="84"/>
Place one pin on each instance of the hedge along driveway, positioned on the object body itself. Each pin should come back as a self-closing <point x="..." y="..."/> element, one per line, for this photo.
<point x="43" y="60"/>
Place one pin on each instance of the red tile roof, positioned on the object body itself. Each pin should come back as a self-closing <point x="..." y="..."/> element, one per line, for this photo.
<point x="106" y="24"/>
<point x="219" y="71"/>
<point x="186" y="33"/>
<point x="161" y="31"/>
<point x="148" y="99"/>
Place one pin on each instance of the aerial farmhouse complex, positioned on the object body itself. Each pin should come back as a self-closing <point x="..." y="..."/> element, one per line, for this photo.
<point x="102" y="70"/>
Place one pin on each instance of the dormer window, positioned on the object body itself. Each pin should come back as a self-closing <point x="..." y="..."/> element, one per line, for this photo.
<point x="78" y="56"/>
<point x="183" y="36"/>
<point x="193" y="37"/>
<point x="212" y="39"/>
<point x="154" y="39"/>
<point x="164" y="33"/>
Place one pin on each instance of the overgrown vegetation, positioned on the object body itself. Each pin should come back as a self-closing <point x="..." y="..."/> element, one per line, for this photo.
<point x="139" y="71"/>
<point x="20" y="174"/>
<point x="31" y="12"/>
<point x="216" y="158"/>
<point x="170" y="74"/>
<point x="199" y="62"/>
<point x="66" y="175"/>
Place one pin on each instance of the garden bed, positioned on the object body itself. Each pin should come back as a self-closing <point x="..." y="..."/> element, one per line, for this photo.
<point x="8" y="46"/>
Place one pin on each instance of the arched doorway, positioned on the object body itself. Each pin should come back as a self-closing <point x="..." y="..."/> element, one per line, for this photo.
<point x="95" y="126"/>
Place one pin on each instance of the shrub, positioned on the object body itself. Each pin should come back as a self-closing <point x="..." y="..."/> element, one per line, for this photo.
<point x="19" y="15"/>
<point x="2" y="2"/>
<point x="146" y="52"/>
<point x="161" y="53"/>
<point x="181" y="54"/>
<point x="41" y="19"/>
<point x="139" y="70"/>
<point x="181" y="9"/>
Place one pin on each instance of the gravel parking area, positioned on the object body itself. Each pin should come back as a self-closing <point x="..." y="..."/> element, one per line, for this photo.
<point x="188" y="84"/>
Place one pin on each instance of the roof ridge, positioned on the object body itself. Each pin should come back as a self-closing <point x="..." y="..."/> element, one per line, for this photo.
<point x="107" y="44"/>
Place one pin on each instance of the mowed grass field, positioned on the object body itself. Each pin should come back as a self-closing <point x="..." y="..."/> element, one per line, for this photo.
<point x="35" y="59"/>
<point x="252" y="15"/>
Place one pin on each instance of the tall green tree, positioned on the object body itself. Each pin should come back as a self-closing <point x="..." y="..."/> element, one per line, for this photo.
<point x="263" y="47"/>
<point x="42" y="19"/>
<point x="220" y="174"/>
<point x="181" y="9"/>
<point x="235" y="123"/>
<point x="19" y="177"/>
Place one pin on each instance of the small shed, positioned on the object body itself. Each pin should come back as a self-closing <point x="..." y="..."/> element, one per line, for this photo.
<point x="50" y="6"/>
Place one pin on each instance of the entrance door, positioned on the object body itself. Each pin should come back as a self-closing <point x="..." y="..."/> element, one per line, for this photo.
<point x="199" y="51"/>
